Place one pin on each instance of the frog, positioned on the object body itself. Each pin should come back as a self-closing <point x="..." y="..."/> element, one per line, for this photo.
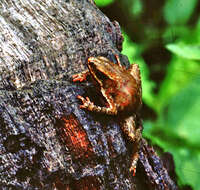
<point x="122" y="91"/>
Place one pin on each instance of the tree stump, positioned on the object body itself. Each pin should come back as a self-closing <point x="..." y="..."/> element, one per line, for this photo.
<point x="46" y="140"/>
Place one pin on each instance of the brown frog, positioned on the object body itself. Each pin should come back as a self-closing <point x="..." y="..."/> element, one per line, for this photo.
<point x="122" y="91"/>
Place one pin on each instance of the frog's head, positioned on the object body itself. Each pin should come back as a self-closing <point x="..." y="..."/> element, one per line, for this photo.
<point x="102" y="70"/>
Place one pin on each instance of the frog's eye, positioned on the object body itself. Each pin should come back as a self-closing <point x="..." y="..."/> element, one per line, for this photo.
<point x="100" y="75"/>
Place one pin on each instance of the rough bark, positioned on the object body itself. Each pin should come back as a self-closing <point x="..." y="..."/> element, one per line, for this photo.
<point x="46" y="141"/>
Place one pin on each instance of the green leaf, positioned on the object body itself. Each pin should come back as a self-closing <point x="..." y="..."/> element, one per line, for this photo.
<point x="186" y="51"/>
<point x="136" y="8"/>
<point x="183" y="113"/>
<point x="187" y="166"/>
<point x="103" y="3"/>
<point x="180" y="73"/>
<point x="178" y="11"/>
<point x="173" y="32"/>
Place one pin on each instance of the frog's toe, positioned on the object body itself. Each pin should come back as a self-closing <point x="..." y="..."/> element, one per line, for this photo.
<point x="78" y="77"/>
<point x="132" y="169"/>
<point x="82" y="99"/>
<point x="87" y="104"/>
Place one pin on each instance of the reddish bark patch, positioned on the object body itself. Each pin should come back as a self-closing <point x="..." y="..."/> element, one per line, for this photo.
<point x="75" y="137"/>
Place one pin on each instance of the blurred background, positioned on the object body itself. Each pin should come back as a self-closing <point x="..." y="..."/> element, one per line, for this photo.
<point x="163" y="37"/>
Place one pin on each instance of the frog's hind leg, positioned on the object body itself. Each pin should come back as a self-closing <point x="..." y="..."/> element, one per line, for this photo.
<point x="134" y="70"/>
<point x="89" y="105"/>
<point x="134" y="135"/>
<point x="135" y="153"/>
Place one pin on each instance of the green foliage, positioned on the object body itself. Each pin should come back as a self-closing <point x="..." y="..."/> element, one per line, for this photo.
<point x="184" y="123"/>
<point x="179" y="11"/>
<point x="185" y="119"/>
<point x="177" y="128"/>
<point x="177" y="131"/>
<point x="103" y="3"/>
<point x="180" y="73"/>
<point x="186" y="51"/>
<point x="177" y="100"/>
<point x="136" y="7"/>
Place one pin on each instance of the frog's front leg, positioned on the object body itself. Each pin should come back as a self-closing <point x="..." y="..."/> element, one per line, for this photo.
<point x="111" y="109"/>
<point x="81" y="76"/>
<point x="87" y="104"/>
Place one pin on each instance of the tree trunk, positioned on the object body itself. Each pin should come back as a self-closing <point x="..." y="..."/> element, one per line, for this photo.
<point x="46" y="140"/>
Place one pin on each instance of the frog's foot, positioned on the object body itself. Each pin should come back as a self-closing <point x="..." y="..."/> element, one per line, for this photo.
<point x="80" y="76"/>
<point x="87" y="104"/>
<point x="132" y="170"/>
